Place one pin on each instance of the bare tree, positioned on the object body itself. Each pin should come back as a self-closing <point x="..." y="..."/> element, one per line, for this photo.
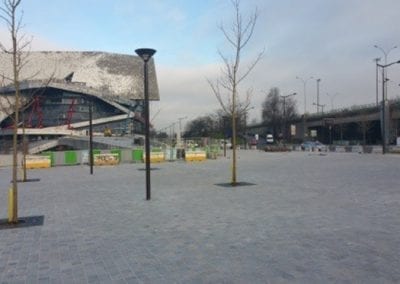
<point x="18" y="44"/>
<point x="225" y="88"/>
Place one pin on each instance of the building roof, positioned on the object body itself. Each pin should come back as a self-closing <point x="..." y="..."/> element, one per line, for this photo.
<point x="96" y="73"/>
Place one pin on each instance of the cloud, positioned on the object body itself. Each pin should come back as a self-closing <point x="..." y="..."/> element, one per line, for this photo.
<point x="331" y="40"/>
<point x="184" y="92"/>
<point x="38" y="43"/>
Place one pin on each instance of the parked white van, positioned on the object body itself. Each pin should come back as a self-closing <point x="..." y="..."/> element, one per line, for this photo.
<point x="270" y="139"/>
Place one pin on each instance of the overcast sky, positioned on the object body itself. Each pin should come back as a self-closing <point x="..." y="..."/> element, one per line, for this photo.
<point x="328" y="39"/>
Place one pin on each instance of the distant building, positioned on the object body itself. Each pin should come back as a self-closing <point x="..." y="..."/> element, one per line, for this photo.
<point x="57" y="89"/>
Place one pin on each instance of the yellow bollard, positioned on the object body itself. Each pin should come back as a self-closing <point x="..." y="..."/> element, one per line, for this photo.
<point x="10" y="204"/>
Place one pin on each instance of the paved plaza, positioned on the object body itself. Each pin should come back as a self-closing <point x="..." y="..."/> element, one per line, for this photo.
<point x="308" y="218"/>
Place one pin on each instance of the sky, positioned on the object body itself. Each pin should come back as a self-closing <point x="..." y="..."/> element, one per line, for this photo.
<point x="331" y="40"/>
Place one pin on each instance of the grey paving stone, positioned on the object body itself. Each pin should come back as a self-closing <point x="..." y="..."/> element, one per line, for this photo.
<point x="307" y="219"/>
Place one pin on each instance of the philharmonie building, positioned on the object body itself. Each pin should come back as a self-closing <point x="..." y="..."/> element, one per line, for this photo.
<point x="57" y="88"/>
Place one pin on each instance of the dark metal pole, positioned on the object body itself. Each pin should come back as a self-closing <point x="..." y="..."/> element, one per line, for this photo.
<point x="284" y="119"/>
<point x="377" y="85"/>
<point x="146" y="54"/>
<point x="318" y="81"/>
<point x="147" y="131"/>
<point x="383" y="112"/>
<point x="91" y="137"/>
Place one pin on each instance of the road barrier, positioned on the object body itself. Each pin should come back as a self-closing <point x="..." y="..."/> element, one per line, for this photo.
<point x="38" y="162"/>
<point x="155" y="157"/>
<point x="109" y="159"/>
<point x="195" y="156"/>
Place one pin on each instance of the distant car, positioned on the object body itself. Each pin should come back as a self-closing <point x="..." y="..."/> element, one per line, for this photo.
<point x="270" y="139"/>
<point x="228" y="144"/>
<point x="313" y="146"/>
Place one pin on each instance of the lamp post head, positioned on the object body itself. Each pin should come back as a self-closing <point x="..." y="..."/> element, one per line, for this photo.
<point x="145" y="53"/>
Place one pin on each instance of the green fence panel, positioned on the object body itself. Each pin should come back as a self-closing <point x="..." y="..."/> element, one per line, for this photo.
<point x="70" y="158"/>
<point x="137" y="155"/>
<point x="50" y="155"/>
<point x="118" y="152"/>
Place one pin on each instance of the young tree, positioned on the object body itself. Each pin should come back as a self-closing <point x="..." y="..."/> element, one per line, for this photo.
<point x="226" y="87"/>
<point x="18" y="44"/>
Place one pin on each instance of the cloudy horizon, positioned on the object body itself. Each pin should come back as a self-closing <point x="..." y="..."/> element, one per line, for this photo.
<point x="329" y="40"/>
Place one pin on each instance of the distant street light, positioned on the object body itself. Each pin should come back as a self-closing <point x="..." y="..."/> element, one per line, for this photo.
<point x="245" y="125"/>
<point x="331" y="97"/>
<point x="146" y="54"/>
<point x="284" y="115"/>
<point x="376" y="84"/>
<point x="305" y="103"/>
<point x="384" y="106"/>
<point x="386" y="53"/>
<point x="318" y="81"/>
<point x="180" y="130"/>
<point x="304" y="90"/>
<point x="319" y="106"/>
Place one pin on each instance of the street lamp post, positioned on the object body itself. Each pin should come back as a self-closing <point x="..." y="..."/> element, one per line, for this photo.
<point x="331" y="97"/>
<point x="146" y="54"/>
<point x="385" y="53"/>
<point x="318" y="81"/>
<point x="305" y="102"/>
<point x="384" y="105"/>
<point x="319" y="106"/>
<point x="245" y="126"/>
<point x="179" y="137"/>
<point x="284" y="116"/>
<point x="376" y="83"/>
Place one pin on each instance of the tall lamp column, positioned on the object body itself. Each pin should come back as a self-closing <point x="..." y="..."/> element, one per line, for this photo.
<point x="146" y="54"/>
<point x="376" y="81"/>
<point x="305" y="103"/>
<point x="385" y="120"/>
<point x="385" y="53"/>
<point x="318" y="82"/>
<point x="284" y="116"/>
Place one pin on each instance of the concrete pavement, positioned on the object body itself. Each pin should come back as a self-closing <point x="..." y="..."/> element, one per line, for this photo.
<point x="309" y="218"/>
